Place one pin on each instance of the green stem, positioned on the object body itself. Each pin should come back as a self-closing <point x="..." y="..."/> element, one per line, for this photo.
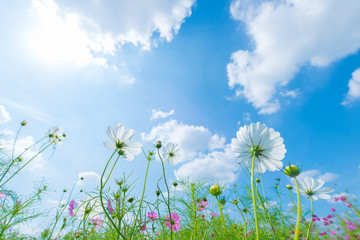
<point x="245" y="221"/>
<point x="297" y="229"/>
<point x="222" y="216"/>
<point x="102" y="185"/>
<point x="253" y="198"/>
<point x="26" y="163"/>
<point x="311" y="221"/>
<point x="292" y="199"/>
<point x="167" y="187"/>
<point x="281" y="212"/>
<point x="143" y="193"/>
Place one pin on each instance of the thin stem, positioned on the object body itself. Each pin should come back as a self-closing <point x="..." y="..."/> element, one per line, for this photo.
<point x="297" y="229"/>
<point x="222" y="216"/>
<point x="101" y="197"/>
<point x="292" y="199"/>
<point x="27" y="163"/>
<point x="245" y="221"/>
<point x="167" y="187"/>
<point x="281" y="212"/>
<point x="143" y="193"/>
<point x="253" y="198"/>
<point x="311" y="221"/>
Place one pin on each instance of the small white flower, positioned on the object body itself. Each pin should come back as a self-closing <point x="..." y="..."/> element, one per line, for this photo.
<point x="172" y="153"/>
<point x="56" y="135"/>
<point x="263" y="142"/>
<point x="121" y="141"/>
<point x="312" y="189"/>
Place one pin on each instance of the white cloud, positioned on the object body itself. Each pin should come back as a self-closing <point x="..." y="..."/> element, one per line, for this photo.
<point x="90" y="178"/>
<point x="84" y="32"/>
<point x="22" y="144"/>
<point x="327" y="177"/>
<point x="159" y="114"/>
<point x="290" y="93"/>
<point x="192" y="139"/>
<point x="287" y="35"/>
<point x="354" y="88"/>
<point x="217" y="166"/>
<point x="4" y="115"/>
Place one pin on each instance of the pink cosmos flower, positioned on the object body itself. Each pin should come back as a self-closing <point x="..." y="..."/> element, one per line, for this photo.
<point x="349" y="223"/>
<point x="348" y="204"/>
<point x="97" y="222"/>
<point x="109" y="207"/>
<point x="333" y="232"/>
<point x="2" y="195"/>
<point x="143" y="228"/>
<point x="336" y="199"/>
<point x="152" y="216"/>
<point x="71" y="208"/>
<point x="333" y="209"/>
<point x="326" y="223"/>
<point x="343" y="198"/>
<point x="172" y="221"/>
<point x="202" y="205"/>
<point x="347" y="237"/>
<point x="212" y="215"/>
<point x="350" y="227"/>
<point x="322" y="234"/>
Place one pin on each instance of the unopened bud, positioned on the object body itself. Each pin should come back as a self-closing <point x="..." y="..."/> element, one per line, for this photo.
<point x="175" y="184"/>
<point x="257" y="180"/>
<point x="158" y="144"/>
<point x="23" y="123"/>
<point x="292" y="171"/>
<point x="131" y="199"/>
<point x="157" y="192"/>
<point x="215" y="190"/>
<point x="289" y="187"/>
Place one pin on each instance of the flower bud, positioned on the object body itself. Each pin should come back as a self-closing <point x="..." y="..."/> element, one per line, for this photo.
<point x="245" y="210"/>
<point x="158" y="144"/>
<point x="157" y="192"/>
<point x="175" y="184"/>
<point x="23" y="123"/>
<point x="130" y="199"/>
<point x="235" y="202"/>
<point x="289" y="187"/>
<point x="222" y="201"/>
<point x="257" y="180"/>
<point x="277" y="179"/>
<point x="215" y="190"/>
<point x="81" y="178"/>
<point x="120" y="183"/>
<point x="292" y="171"/>
<point x="64" y="190"/>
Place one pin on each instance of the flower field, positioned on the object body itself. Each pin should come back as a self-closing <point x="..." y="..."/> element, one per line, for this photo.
<point x="178" y="209"/>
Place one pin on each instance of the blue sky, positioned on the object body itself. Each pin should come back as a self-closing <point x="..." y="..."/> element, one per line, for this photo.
<point x="215" y="66"/>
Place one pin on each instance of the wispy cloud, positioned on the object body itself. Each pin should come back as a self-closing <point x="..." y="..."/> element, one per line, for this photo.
<point x="30" y="111"/>
<point x="160" y="114"/>
<point x="4" y="115"/>
<point x="354" y="88"/>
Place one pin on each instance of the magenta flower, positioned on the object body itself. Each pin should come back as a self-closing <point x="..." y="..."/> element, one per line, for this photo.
<point x="2" y="195"/>
<point x="336" y="199"/>
<point x="71" y="208"/>
<point x="109" y="207"/>
<point x="212" y="215"/>
<point x="202" y="205"/>
<point x="152" y="216"/>
<point x="326" y="223"/>
<point x="350" y="227"/>
<point x="333" y="209"/>
<point x="173" y="222"/>
<point x="97" y="222"/>
<point x="322" y="234"/>
<point x="348" y="204"/>
<point x="333" y="232"/>
<point x="143" y="228"/>
<point x="343" y="198"/>
<point x="349" y="223"/>
<point x="347" y="237"/>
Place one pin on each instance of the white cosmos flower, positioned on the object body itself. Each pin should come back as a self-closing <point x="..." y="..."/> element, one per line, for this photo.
<point x="172" y="153"/>
<point x="121" y="141"/>
<point x="56" y="135"/>
<point x="312" y="189"/>
<point x="263" y="142"/>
